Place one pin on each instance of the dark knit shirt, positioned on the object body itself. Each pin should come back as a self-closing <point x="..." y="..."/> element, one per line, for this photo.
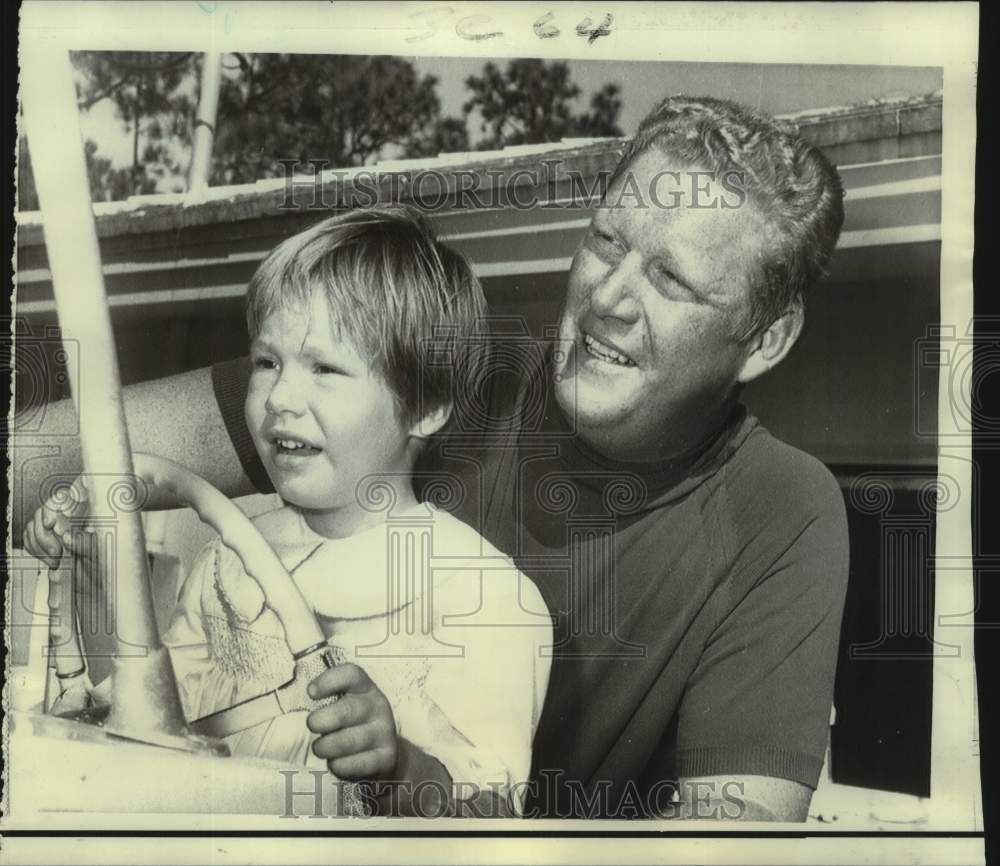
<point x="696" y="604"/>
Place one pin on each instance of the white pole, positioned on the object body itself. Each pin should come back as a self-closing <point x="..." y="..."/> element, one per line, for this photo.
<point x="204" y="125"/>
<point x="145" y="699"/>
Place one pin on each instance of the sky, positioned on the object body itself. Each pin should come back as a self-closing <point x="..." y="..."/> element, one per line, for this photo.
<point x="775" y="88"/>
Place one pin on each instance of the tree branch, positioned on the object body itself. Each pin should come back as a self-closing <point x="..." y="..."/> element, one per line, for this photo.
<point x="89" y="103"/>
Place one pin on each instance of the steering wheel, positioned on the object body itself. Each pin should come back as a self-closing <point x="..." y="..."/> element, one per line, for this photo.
<point x="303" y="635"/>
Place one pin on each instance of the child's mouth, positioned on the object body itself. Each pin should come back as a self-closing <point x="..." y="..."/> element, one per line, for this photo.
<point x="294" y="448"/>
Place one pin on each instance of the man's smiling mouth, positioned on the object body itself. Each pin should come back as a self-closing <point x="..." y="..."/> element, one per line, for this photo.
<point x="603" y="352"/>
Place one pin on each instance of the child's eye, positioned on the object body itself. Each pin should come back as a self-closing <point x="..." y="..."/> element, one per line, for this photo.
<point x="263" y="363"/>
<point x="325" y="370"/>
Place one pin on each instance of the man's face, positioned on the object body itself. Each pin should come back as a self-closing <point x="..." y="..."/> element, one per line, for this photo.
<point x="656" y="296"/>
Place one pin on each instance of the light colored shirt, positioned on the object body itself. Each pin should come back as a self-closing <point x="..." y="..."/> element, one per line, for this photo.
<point x="444" y="624"/>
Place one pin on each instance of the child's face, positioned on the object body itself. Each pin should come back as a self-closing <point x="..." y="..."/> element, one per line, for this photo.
<point x="320" y="418"/>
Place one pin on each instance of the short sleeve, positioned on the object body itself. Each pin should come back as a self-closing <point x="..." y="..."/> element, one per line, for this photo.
<point x="230" y="381"/>
<point x="485" y="704"/>
<point x="759" y="700"/>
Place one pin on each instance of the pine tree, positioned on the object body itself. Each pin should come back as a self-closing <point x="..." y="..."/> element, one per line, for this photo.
<point x="531" y="102"/>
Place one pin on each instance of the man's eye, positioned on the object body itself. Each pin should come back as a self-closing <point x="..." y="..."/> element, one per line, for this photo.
<point x="604" y="243"/>
<point x="261" y="363"/>
<point x="668" y="281"/>
<point x="665" y="273"/>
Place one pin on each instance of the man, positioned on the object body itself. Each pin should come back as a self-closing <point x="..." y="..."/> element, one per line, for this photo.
<point x="695" y="566"/>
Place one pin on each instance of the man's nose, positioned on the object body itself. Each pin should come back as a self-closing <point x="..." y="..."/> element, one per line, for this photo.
<point x="284" y="397"/>
<point x="613" y="296"/>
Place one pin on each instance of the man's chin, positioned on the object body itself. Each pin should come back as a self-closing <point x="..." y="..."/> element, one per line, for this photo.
<point x="585" y="404"/>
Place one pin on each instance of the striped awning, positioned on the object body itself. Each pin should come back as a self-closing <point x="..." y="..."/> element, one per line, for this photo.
<point x="895" y="203"/>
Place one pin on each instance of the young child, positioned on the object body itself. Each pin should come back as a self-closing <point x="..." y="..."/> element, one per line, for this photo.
<point x="358" y="327"/>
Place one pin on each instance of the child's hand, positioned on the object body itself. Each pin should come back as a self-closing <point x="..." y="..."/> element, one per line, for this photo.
<point x="49" y="531"/>
<point x="357" y="733"/>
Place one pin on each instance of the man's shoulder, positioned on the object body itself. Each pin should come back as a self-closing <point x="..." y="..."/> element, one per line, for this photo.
<point x="769" y="493"/>
<point x="776" y="503"/>
<point x="769" y="470"/>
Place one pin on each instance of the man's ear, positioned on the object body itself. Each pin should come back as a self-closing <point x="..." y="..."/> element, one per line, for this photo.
<point x="768" y="349"/>
<point x="433" y="421"/>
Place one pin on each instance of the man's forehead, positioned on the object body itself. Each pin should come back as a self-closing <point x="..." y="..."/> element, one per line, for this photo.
<point x="717" y="248"/>
<point x="711" y="215"/>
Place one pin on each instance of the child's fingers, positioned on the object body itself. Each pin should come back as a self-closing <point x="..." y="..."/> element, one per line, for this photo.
<point x="45" y="553"/>
<point x="372" y="764"/>
<point x="29" y="544"/>
<point x="52" y="528"/>
<point x="64" y="514"/>
<point x="46" y="537"/>
<point x="339" y="680"/>
<point x="65" y="502"/>
<point x="47" y="516"/>
<point x="49" y="527"/>
<point x="340" y="714"/>
<point x="348" y="741"/>
<point x="49" y="522"/>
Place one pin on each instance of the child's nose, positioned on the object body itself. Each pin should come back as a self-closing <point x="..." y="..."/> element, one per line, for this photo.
<point x="284" y="398"/>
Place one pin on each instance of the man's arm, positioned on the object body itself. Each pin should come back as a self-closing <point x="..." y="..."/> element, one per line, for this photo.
<point x="177" y="417"/>
<point x="414" y="797"/>
<point x="753" y="725"/>
<point x="742" y="798"/>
